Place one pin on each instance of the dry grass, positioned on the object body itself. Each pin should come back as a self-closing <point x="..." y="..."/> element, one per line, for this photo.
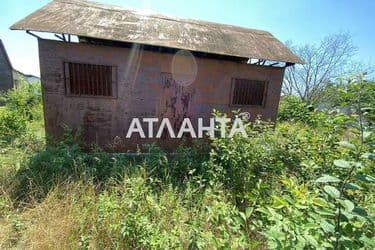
<point x="47" y="225"/>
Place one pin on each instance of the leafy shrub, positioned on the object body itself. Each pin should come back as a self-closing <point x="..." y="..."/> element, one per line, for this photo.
<point x="350" y="190"/>
<point x="22" y="105"/>
<point x="25" y="100"/>
<point x="239" y="162"/>
<point x="268" y="153"/>
<point x="294" y="219"/>
<point x="345" y="217"/>
<point x="12" y="125"/>
<point x="349" y="98"/>
<point x="294" y="109"/>
<point x="346" y="96"/>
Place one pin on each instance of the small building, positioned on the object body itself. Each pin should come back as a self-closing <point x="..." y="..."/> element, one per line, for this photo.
<point x="129" y="64"/>
<point x="6" y="70"/>
<point x="28" y="78"/>
<point x="10" y="77"/>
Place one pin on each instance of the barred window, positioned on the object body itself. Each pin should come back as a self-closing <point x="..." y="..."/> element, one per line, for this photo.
<point x="90" y="79"/>
<point x="248" y="92"/>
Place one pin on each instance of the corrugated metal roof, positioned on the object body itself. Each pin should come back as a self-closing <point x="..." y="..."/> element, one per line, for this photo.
<point x="109" y="22"/>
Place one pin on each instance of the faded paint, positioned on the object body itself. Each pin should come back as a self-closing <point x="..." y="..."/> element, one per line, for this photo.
<point x="145" y="89"/>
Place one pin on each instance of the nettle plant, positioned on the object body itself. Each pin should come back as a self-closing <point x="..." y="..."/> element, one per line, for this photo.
<point x="350" y="188"/>
<point x="335" y="211"/>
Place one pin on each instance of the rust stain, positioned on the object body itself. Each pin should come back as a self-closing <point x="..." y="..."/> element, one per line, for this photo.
<point x="176" y="100"/>
<point x="97" y="125"/>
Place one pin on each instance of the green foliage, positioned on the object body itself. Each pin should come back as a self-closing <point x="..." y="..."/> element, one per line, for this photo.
<point x="132" y="216"/>
<point x="346" y="96"/>
<point x="25" y="100"/>
<point x="340" y="213"/>
<point x="296" y="218"/>
<point x="303" y="151"/>
<point x="239" y="162"/>
<point x="12" y="125"/>
<point x="22" y="105"/>
<point x="294" y="109"/>
<point x="354" y="224"/>
<point x="349" y="96"/>
<point x="306" y="182"/>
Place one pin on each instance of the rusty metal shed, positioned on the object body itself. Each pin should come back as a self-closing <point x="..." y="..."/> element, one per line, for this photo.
<point x="133" y="64"/>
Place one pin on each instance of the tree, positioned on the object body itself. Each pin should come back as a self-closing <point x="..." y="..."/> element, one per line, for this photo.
<point x="329" y="59"/>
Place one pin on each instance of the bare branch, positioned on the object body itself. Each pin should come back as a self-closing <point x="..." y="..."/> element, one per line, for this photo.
<point x="331" y="58"/>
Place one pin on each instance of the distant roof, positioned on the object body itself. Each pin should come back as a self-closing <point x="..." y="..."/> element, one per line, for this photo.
<point x="27" y="76"/>
<point x="3" y="50"/>
<point x="82" y="18"/>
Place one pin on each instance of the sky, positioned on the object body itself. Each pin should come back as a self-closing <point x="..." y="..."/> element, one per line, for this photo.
<point x="300" y="21"/>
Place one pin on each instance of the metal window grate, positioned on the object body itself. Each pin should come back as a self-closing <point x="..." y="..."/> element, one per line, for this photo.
<point x="89" y="79"/>
<point x="248" y="92"/>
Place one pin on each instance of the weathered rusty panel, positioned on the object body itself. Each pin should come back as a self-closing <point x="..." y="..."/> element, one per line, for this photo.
<point x="97" y="124"/>
<point x="118" y="24"/>
<point x="175" y="100"/>
<point x="142" y="92"/>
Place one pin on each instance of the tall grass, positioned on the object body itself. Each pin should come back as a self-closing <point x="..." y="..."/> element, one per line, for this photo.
<point x="232" y="195"/>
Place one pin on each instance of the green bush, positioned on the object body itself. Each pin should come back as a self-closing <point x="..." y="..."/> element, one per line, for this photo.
<point x="240" y="162"/>
<point x="293" y="109"/>
<point x="25" y="100"/>
<point x="12" y="125"/>
<point x="294" y="218"/>
<point x="22" y="105"/>
<point x="346" y="96"/>
<point x="336" y="210"/>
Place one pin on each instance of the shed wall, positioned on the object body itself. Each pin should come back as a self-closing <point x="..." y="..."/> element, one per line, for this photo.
<point x="6" y="75"/>
<point x="141" y="92"/>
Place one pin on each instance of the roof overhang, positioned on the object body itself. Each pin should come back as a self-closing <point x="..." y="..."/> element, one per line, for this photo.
<point x="87" y="19"/>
